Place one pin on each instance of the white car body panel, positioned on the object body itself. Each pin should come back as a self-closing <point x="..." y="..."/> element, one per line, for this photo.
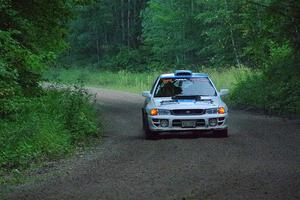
<point x="165" y="103"/>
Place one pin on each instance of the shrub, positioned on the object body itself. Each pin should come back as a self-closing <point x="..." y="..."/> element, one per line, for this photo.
<point x="276" y="89"/>
<point x="46" y="127"/>
<point x="132" y="60"/>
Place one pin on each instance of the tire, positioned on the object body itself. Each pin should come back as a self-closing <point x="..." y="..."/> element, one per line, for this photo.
<point x="221" y="133"/>
<point x="149" y="135"/>
<point x="145" y="123"/>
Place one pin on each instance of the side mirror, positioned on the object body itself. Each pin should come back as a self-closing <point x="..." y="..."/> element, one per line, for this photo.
<point x="146" y="94"/>
<point x="224" y="92"/>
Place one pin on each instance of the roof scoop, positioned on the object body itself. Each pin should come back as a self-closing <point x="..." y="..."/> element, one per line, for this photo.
<point x="183" y="73"/>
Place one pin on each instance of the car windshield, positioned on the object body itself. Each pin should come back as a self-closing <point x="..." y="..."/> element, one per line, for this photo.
<point x="187" y="86"/>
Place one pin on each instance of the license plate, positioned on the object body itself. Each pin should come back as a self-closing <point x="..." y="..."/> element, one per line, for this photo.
<point x="188" y="124"/>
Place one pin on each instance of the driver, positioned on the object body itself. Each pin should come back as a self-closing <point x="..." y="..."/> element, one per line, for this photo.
<point x="169" y="90"/>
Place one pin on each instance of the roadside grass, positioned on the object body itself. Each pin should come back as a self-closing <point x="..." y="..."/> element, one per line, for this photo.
<point x="44" y="128"/>
<point x="249" y="89"/>
<point x="136" y="82"/>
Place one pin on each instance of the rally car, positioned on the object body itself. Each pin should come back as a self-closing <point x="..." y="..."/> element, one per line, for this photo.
<point x="184" y="101"/>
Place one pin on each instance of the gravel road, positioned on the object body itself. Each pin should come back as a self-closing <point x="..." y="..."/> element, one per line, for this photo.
<point x="259" y="160"/>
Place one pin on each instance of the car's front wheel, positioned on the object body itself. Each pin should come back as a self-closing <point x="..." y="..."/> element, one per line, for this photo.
<point x="221" y="133"/>
<point x="149" y="135"/>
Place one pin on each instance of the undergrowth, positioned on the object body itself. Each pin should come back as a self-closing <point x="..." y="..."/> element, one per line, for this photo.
<point x="45" y="127"/>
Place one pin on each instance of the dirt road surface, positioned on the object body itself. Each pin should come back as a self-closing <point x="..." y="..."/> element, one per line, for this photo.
<point x="259" y="160"/>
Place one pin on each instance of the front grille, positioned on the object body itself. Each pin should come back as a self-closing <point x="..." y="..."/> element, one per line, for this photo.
<point x="188" y="112"/>
<point x="178" y="122"/>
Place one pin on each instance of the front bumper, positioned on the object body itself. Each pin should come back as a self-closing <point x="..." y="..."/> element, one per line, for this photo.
<point x="174" y="122"/>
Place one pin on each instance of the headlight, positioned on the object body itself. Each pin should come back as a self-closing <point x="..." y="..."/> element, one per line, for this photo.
<point x="220" y="110"/>
<point x="212" y="111"/>
<point x="163" y="112"/>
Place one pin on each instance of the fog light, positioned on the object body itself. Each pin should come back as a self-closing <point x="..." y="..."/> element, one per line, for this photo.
<point x="164" y="123"/>
<point x="213" y="122"/>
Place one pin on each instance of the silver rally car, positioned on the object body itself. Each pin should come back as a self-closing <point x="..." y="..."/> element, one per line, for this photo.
<point x="184" y="101"/>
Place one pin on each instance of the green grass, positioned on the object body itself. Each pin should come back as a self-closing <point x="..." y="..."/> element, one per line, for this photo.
<point x="136" y="82"/>
<point x="44" y="128"/>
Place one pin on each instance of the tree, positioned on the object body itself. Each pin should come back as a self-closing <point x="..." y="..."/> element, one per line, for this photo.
<point x="31" y="34"/>
<point x="169" y="29"/>
<point x="103" y="28"/>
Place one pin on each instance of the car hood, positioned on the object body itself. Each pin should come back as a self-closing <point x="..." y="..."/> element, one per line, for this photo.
<point x="205" y="103"/>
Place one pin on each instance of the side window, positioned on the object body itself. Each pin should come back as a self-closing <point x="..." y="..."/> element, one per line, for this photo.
<point x="153" y="86"/>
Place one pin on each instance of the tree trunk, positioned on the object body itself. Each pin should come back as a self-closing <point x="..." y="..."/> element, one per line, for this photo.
<point x="122" y="21"/>
<point x="106" y="37"/>
<point x="116" y="12"/>
<point x="128" y="23"/>
<point x="232" y="39"/>
<point x="134" y="24"/>
<point x="177" y="59"/>
<point x="98" y="50"/>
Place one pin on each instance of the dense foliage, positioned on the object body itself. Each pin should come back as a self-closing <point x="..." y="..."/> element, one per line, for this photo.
<point x="37" y="124"/>
<point x="104" y="29"/>
<point x="262" y="35"/>
<point x="31" y="33"/>
<point x="191" y="32"/>
<point x="45" y="127"/>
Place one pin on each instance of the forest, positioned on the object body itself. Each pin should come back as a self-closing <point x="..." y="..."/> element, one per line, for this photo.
<point x="37" y="124"/>
<point x="41" y="39"/>
<point x="143" y="36"/>
<point x="110" y="34"/>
